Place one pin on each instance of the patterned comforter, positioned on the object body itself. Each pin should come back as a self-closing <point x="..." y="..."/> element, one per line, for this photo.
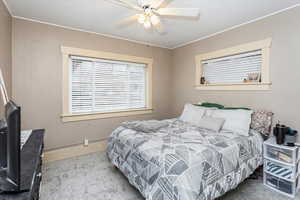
<point x="184" y="162"/>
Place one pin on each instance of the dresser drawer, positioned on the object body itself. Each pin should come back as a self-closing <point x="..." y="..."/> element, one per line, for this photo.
<point x="281" y="154"/>
<point x="36" y="186"/>
<point x="35" y="194"/>
<point x="281" y="185"/>
<point x="287" y="172"/>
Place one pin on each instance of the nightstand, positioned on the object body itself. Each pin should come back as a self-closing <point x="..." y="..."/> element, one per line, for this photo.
<point x="281" y="167"/>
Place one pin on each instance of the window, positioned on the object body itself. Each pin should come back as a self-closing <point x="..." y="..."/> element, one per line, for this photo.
<point x="101" y="85"/>
<point x="245" y="67"/>
<point x="106" y="86"/>
<point x="232" y="69"/>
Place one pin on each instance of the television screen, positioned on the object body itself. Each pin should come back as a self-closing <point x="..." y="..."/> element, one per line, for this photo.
<point x="10" y="176"/>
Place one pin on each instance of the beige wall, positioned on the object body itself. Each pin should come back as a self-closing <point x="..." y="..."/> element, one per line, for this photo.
<point x="37" y="75"/>
<point x="5" y="49"/>
<point x="283" y="100"/>
<point x="37" y="80"/>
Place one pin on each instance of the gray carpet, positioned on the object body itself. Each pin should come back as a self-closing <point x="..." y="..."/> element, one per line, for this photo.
<point x="92" y="177"/>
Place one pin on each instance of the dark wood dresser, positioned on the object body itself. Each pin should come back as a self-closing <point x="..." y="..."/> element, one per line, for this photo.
<point x="31" y="167"/>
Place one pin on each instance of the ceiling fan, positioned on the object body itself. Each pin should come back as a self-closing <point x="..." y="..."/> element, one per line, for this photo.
<point x="151" y="11"/>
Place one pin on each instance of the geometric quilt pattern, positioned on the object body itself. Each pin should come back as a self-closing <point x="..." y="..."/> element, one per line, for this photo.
<point x="179" y="161"/>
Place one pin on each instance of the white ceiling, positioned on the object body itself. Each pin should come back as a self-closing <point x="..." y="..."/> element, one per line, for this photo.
<point x="103" y="17"/>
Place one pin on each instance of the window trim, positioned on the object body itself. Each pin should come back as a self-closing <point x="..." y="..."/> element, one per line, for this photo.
<point x="264" y="45"/>
<point x="67" y="116"/>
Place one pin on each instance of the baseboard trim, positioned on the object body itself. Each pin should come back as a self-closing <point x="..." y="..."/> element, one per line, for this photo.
<point x="74" y="151"/>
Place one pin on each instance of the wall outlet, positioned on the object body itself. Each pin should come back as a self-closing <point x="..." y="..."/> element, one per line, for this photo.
<point x="86" y="142"/>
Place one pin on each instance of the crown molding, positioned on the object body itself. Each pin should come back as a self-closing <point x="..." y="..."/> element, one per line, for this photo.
<point x="7" y="7"/>
<point x="151" y="44"/>
<point x="91" y="32"/>
<point x="236" y="26"/>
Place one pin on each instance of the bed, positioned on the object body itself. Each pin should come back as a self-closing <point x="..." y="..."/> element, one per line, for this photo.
<point x="180" y="161"/>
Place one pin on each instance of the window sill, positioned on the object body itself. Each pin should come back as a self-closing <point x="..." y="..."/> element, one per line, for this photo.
<point x="92" y="116"/>
<point x="235" y="86"/>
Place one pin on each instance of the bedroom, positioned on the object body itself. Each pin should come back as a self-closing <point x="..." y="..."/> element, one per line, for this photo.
<point x="37" y="37"/>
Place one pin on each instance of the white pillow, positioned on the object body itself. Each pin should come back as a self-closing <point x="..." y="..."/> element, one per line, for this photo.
<point x="235" y="120"/>
<point x="208" y="110"/>
<point x="214" y="124"/>
<point x="192" y="114"/>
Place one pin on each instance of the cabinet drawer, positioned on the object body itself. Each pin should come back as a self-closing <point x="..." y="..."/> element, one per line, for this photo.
<point x="284" y="186"/>
<point x="286" y="172"/>
<point x="281" y="154"/>
<point x="36" y="186"/>
<point x="37" y="182"/>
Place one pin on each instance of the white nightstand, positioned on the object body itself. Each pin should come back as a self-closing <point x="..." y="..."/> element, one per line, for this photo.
<point x="281" y="167"/>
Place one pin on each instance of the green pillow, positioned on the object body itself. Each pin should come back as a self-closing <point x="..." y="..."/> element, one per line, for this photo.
<point x="212" y="105"/>
<point x="236" y="108"/>
<point x="219" y="106"/>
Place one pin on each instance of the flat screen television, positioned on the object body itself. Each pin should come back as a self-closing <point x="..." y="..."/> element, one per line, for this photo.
<point x="10" y="150"/>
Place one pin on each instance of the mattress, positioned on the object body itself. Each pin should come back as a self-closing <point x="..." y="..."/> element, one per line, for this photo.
<point x="180" y="161"/>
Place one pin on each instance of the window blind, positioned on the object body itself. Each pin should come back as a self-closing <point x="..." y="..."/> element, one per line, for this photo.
<point x="106" y="86"/>
<point x="232" y="69"/>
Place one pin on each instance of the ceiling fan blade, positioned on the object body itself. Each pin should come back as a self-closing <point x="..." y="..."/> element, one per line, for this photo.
<point x="126" y="4"/>
<point x="128" y="21"/>
<point x="160" y="28"/>
<point x="156" y="4"/>
<point x="180" y="12"/>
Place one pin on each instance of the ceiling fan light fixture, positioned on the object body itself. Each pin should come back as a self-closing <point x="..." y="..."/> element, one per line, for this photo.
<point x="147" y="24"/>
<point x="154" y="20"/>
<point x="148" y="11"/>
<point x="152" y="11"/>
<point x="141" y="19"/>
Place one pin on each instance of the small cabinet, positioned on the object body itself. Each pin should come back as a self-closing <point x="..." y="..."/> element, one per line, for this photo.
<point x="281" y="168"/>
